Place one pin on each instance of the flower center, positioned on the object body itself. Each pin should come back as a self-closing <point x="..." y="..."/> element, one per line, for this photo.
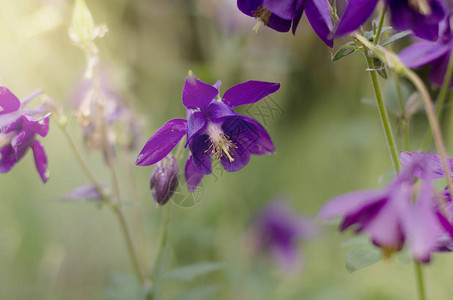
<point x="221" y="144"/>
<point x="420" y="6"/>
<point x="263" y="15"/>
<point x="5" y="139"/>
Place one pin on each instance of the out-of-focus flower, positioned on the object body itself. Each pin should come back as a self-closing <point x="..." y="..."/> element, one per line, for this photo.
<point x="213" y="129"/>
<point x="282" y="15"/>
<point x="420" y="16"/>
<point x="391" y="217"/>
<point x="437" y="53"/>
<point x="89" y="192"/>
<point x="278" y="231"/>
<point x="18" y="130"/>
<point x="164" y="179"/>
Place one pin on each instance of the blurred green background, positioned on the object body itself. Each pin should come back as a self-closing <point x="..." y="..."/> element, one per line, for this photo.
<point x="327" y="141"/>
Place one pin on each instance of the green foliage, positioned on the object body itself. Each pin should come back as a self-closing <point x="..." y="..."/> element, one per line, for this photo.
<point x="190" y="272"/>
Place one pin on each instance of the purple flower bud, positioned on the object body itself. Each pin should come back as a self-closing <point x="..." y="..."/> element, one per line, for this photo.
<point x="164" y="179"/>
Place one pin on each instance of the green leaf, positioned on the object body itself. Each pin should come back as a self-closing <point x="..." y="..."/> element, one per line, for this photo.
<point x="344" y="51"/>
<point x="190" y="272"/>
<point x="370" y="34"/>
<point x="361" y="254"/>
<point x="394" y="37"/>
<point x="205" y="292"/>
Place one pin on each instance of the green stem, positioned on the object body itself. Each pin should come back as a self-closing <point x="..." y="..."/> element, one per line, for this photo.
<point x="380" y="26"/>
<point x="419" y="279"/>
<point x="107" y="198"/>
<point x="441" y="98"/>
<point x="384" y="115"/>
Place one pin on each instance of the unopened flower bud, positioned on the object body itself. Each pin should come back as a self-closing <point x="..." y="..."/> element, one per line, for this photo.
<point x="82" y="22"/>
<point x="164" y="179"/>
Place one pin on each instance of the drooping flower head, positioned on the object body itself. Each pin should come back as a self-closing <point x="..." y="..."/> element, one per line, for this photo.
<point x="278" y="231"/>
<point x="213" y="129"/>
<point x="282" y="15"/>
<point x="164" y="179"/>
<point x="396" y="214"/>
<point x="420" y="16"/>
<point x="436" y="54"/>
<point x="19" y="128"/>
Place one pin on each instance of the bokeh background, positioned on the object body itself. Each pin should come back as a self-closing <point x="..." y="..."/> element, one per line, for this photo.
<point x="328" y="141"/>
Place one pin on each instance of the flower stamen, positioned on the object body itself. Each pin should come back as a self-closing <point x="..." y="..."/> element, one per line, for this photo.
<point x="263" y="15"/>
<point x="421" y="6"/>
<point x="220" y="143"/>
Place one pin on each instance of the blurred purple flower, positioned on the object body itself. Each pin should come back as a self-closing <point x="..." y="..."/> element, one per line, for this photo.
<point x="281" y="15"/>
<point x="390" y="217"/>
<point x="437" y="54"/>
<point x="278" y="231"/>
<point x="213" y="128"/>
<point x="89" y="192"/>
<point x="420" y="16"/>
<point x="18" y="130"/>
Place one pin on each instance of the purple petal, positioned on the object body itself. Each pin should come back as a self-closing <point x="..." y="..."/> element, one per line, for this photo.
<point x="219" y="110"/>
<point x="199" y="146"/>
<point x="22" y="141"/>
<point x="432" y="160"/>
<point x="40" y="160"/>
<point x="195" y="124"/>
<point x="197" y="94"/>
<point x="318" y="14"/>
<point x="355" y="14"/>
<point x="298" y="16"/>
<point x="350" y="203"/>
<point x="250" y="134"/>
<point x="241" y="157"/>
<point x="193" y="177"/>
<point x="249" y="92"/>
<point x="285" y="9"/>
<point x="279" y="24"/>
<point x="8" y="101"/>
<point x="162" y="142"/>
<point x="7" y="159"/>
<point x="30" y="97"/>
<point x="40" y="127"/>
<point x="422" y="53"/>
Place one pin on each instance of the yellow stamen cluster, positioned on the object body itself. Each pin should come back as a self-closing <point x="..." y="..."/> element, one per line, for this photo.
<point x="221" y="145"/>
<point x="263" y="15"/>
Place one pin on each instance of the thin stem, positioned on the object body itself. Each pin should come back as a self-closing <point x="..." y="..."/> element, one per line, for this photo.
<point x="435" y="127"/>
<point x="108" y="200"/>
<point x="419" y="278"/>
<point x="440" y="100"/>
<point x="384" y="115"/>
<point x="380" y="26"/>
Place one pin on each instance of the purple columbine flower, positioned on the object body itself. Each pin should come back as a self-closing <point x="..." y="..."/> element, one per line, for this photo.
<point x="213" y="129"/>
<point x="420" y="16"/>
<point x="278" y="231"/>
<point x="281" y="15"/>
<point x="18" y="130"/>
<point x="391" y="217"/>
<point x="437" y="54"/>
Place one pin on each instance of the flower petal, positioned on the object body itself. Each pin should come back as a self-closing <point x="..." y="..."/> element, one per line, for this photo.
<point x="433" y="161"/>
<point x="350" y="203"/>
<point x="355" y="14"/>
<point x="439" y="70"/>
<point x="197" y="94"/>
<point x="162" y="142"/>
<point x="422" y="53"/>
<point x="7" y="159"/>
<point x="8" y="101"/>
<point x="193" y="177"/>
<point x="285" y="9"/>
<point x="40" y="160"/>
<point x="279" y="24"/>
<point x="249" y="92"/>
<point x="195" y="124"/>
<point x="199" y="146"/>
<point x="240" y="155"/>
<point x="318" y="14"/>
<point x="22" y="141"/>
<point x="219" y="110"/>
